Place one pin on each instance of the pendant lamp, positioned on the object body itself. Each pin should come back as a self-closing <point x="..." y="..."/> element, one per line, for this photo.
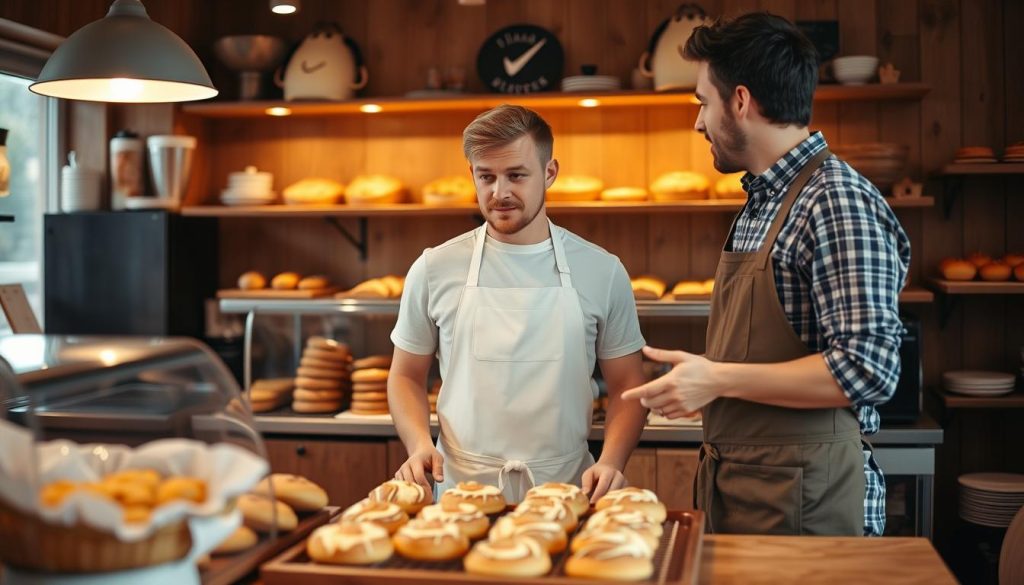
<point x="125" y="57"/>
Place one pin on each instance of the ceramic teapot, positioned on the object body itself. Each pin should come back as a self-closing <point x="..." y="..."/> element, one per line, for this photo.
<point x="663" y="60"/>
<point x="326" y="66"/>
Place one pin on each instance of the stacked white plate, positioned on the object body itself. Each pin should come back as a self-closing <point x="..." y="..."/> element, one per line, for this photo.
<point x="249" y="187"/>
<point x="991" y="499"/>
<point x="591" y="83"/>
<point x="978" y="383"/>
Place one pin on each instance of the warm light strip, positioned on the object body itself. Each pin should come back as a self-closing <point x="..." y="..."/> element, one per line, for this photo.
<point x="589" y="103"/>
<point x="370" y="108"/>
<point x="278" y="111"/>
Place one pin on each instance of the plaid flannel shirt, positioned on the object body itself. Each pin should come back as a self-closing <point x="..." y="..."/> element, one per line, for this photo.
<point x="840" y="262"/>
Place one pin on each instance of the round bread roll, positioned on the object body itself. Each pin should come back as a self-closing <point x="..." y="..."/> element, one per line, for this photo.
<point x="386" y="514"/>
<point x="729" y="187"/>
<point x="285" y="281"/>
<point x="995" y="272"/>
<point x="314" y="191"/>
<point x="487" y="498"/>
<point x="350" y="543"/>
<point x="978" y="259"/>
<point x="452" y="190"/>
<point x="192" y="489"/>
<point x="619" y="194"/>
<point x="647" y="287"/>
<point x="258" y="513"/>
<point x="636" y="499"/>
<point x="680" y="186"/>
<point x="242" y="538"/>
<point x="689" y="287"/>
<point x="508" y="557"/>
<point x="374" y="190"/>
<point x="551" y="509"/>
<point x="294" y="490"/>
<point x="316" y="282"/>
<point x="575" y="188"/>
<point x="430" y="540"/>
<point x="1013" y="260"/>
<point x="959" y="270"/>
<point x="411" y="497"/>
<point x="468" y="518"/>
<point x="547" y="533"/>
<point x="620" y="555"/>
<point x="615" y="517"/>
<point x="252" y="280"/>
<point x="568" y="493"/>
<point x="1018" y="272"/>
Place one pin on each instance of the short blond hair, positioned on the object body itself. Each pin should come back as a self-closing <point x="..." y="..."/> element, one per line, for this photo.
<point x="503" y="125"/>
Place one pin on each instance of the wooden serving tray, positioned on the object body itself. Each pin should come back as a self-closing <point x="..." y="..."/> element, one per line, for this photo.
<point x="675" y="563"/>
<point x="227" y="569"/>
<point x="269" y="293"/>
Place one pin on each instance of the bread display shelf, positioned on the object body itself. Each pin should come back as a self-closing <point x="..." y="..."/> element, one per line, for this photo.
<point x="547" y="100"/>
<point x="997" y="168"/>
<point x="1014" y="399"/>
<point x="269" y="293"/>
<point x="230" y="568"/>
<point x="977" y="287"/>
<point x="676" y="562"/>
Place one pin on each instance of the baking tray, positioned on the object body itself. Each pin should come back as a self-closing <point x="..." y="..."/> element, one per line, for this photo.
<point x="675" y="563"/>
<point x="227" y="569"/>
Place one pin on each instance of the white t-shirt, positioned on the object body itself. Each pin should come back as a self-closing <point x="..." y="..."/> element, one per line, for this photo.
<point x="434" y="285"/>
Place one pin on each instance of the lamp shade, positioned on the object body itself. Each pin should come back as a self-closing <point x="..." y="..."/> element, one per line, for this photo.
<point x="125" y="57"/>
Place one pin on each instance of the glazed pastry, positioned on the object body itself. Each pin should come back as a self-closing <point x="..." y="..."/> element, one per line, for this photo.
<point x="258" y="513"/>
<point x="549" y="534"/>
<point x="637" y="499"/>
<point x="508" y="557"/>
<point x="566" y="492"/>
<point x="608" y="554"/>
<point x="411" y="497"/>
<point x="349" y="543"/>
<point x="485" y="497"/>
<point x="430" y="540"/>
<point x="615" y="517"/>
<point x="294" y="490"/>
<point x="386" y="514"/>
<point x="467" y="517"/>
<point x="551" y="509"/>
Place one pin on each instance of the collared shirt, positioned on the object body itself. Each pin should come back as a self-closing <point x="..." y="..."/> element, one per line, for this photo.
<point x="840" y="261"/>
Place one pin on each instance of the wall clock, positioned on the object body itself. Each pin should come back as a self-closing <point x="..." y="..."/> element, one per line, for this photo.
<point x="522" y="58"/>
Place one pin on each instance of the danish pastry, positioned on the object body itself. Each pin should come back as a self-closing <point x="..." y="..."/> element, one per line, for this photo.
<point x="508" y="557"/>
<point x="566" y="492"/>
<point x="430" y="540"/>
<point x="350" y="543"/>
<point x="637" y="499"/>
<point x="411" y="497"/>
<point x="467" y="517"/>
<point x="386" y="514"/>
<point x="487" y="498"/>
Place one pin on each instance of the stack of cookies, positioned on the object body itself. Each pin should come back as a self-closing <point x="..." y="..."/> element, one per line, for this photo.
<point x="1014" y="153"/>
<point x="270" y="393"/>
<point x="370" y="385"/>
<point x="322" y="377"/>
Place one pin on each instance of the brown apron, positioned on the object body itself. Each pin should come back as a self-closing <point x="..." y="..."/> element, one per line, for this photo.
<point x="767" y="469"/>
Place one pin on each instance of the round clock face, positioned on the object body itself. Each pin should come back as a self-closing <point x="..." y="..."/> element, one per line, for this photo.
<point x="521" y="58"/>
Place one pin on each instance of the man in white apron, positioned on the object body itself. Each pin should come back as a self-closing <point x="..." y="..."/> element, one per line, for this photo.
<point x="518" y="312"/>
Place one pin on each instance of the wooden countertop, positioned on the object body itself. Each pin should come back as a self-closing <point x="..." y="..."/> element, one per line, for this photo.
<point x="729" y="559"/>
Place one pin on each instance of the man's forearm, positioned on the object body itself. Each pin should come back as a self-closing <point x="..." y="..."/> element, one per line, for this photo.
<point x="624" y="422"/>
<point x="801" y="383"/>
<point x="410" y="410"/>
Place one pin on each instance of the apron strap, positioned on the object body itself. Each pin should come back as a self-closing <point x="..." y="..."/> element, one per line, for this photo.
<point x="478" y="255"/>
<point x="788" y="200"/>
<point x="561" y="264"/>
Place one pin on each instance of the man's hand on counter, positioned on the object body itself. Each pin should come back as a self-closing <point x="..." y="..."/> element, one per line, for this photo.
<point x="600" y="478"/>
<point x="687" y="388"/>
<point x="416" y="468"/>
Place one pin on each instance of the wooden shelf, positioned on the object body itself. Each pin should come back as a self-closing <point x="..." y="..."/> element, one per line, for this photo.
<point x="420" y="210"/>
<point x="916" y="295"/>
<point x="551" y="100"/>
<point x="1013" y="400"/>
<point x="999" y="168"/>
<point x="975" y="287"/>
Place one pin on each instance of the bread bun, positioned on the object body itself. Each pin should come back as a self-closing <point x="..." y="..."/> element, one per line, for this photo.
<point x="1018" y="272"/>
<point x="252" y="280"/>
<point x="619" y="194"/>
<point x="689" y="287"/>
<point x="467" y="517"/>
<point x="458" y="189"/>
<point x="242" y="538"/>
<point x="430" y="540"/>
<point x="314" y="283"/>
<point x="709" y="285"/>
<point x="395" y="285"/>
<point x="549" y="534"/>
<point x="349" y="543"/>
<point x="294" y="490"/>
<point x="680" y="186"/>
<point x="374" y="288"/>
<point x="959" y="270"/>
<point x="620" y="555"/>
<point x="314" y="191"/>
<point x="634" y="498"/>
<point x="566" y="492"/>
<point x="551" y="509"/>
<point x="729" y="187"/>
<point x="487" y="498"/>
<point x="374" y="190"/>
<point x="647" y="288"/>
<point x="258" y="513"/>
<point x="978" y="259"/>
<point x="575" y="188"/>
<point x="386" y="514"/>
<point x="995" y="272"/>
<point x="508" y="557"/>
<point x="946" y="262"/>
<point x="191" y="489"/>
<point x="411" y="497"/>
<point x="616" y="517"/>
<point x="1014" y="260"/>
<point x="285" y="281"/>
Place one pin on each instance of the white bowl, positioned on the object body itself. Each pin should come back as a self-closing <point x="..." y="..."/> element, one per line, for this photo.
<point x="855" y="70"/>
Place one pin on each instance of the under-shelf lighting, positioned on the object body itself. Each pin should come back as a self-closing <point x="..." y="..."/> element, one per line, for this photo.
<point x="284" y="6"/>
<point x="279" y="111"/>
<point x="370" y="108"/>
<point x="589" y="103"/>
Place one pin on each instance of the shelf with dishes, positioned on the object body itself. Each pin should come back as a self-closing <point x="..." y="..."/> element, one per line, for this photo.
<point x="546" y="100"/>
<point x="951" y="400"/>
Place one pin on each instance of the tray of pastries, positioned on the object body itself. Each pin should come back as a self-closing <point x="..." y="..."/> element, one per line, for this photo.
<point x="397" y="535"/>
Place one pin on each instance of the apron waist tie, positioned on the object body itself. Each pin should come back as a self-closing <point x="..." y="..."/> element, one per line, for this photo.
<point x="704" y="482"/>
<point x="512" y="466"/>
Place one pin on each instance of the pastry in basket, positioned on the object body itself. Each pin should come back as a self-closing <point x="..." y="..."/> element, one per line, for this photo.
<point x="634" y="498"/>
<point x="508" y="557"/>
<point x="374" y="190"/>
<point x="647" y="288"/>
<point x="566" y="492"/>
<point x="192" y="489"/>
<point x="243" y="538"/>
<point x="485" y="497"/>
<point x="549" y="534"/>
<point x="680" y="186"/>
<point x="349" y="543"/>
<point x="467" y="517"/>
<point x="296" y="491"/>
<point x="449" y="191"/>
<point x="551" y="509"/>
<point x="387" y="514"/>
<point x="618" y="555"/>
<point x="616" y="517"/>
<point x="430" y="540"/>
<point x="263" y="514"/>
<point x="411" y="497"/>
<point x="575" y="188"/>
<point x="314" y="191"/>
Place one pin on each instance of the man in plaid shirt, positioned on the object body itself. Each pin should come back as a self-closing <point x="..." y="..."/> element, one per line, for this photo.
<point x="839" y="258"/>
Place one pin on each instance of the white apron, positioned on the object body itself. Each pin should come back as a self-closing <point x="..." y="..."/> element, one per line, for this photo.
<point x="515" y="408"/>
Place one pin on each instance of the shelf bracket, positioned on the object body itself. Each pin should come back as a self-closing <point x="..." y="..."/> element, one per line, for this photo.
<point x="361" y="244"/>
<point x="947" y="304"/>
<point x="951" y="188"/>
